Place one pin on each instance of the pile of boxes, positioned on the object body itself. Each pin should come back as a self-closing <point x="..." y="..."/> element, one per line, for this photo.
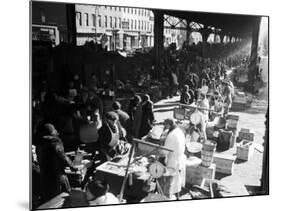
<point x="222" y="162"/>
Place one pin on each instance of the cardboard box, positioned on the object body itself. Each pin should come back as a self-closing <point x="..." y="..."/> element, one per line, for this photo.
<point x="224" y="163"/>
<point x="246" y="135"/>
<point x="245" y="150"/>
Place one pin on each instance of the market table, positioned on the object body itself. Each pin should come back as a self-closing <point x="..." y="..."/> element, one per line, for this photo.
<point x="114" y="172"/>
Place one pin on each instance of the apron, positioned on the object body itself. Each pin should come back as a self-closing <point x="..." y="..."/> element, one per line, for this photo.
<point x="113" y="142"/>
<point x="175" y="162"/>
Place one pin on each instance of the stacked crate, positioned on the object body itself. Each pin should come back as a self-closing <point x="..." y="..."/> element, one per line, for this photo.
<point x="240" y="102"/>
<point x="232" y="124"/>
<point x="245" y="147"/>
<point x="195" y="174"/>
<point x="224" y="163"/>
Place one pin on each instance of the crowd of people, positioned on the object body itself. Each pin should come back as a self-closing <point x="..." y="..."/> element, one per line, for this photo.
<point x="64" y="120"/>
<point x="76" y="118"/>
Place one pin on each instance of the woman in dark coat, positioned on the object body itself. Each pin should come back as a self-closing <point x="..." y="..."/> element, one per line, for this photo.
<point x="147" y="118"/>
<point x="52" y="160"/>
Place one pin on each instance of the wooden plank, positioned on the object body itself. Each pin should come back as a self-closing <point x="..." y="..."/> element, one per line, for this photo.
<point x="151" y="144"/>
<point x="196" y="107"/>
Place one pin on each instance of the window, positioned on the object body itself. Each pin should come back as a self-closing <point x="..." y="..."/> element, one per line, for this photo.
<point x="119" y="9"/>
<point x="135" y="24"/>
<point x="79" y="18"/>
<point x="139" y="24"/>
<point x="86" y="19"/>
<point x="124" y="9"/>
<point x="105" y="21"/>
<point x="110" y="22"/>
<point x="43" y="16"/>
<point x="115" y="22"/>
<point x="135" y="11"/>
<point x="99" y="20"/>
<point x="132" y="24"/>
<point x="94" y="20"/>
<point x="120" y="23"/>
<point x="139" y="11"/>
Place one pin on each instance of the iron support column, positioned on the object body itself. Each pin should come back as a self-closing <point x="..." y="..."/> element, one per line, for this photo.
<point x="254" y="53"/>
<point x="158" y="40"/>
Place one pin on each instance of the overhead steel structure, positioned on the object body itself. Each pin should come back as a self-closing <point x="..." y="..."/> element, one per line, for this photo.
<point x="231" y="25"/>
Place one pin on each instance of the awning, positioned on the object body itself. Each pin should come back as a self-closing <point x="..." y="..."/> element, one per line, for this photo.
<point x="133" y="34"/>
<point x="108" y="33"/>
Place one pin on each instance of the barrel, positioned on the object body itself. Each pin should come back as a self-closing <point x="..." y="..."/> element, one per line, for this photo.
<point x="207" y="153"/>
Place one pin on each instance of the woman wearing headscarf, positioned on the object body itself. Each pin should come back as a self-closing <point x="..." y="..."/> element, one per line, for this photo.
<point x="111" y="139"/>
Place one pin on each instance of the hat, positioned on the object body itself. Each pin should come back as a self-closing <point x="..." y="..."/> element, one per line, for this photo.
<point x="111" y="115"/>
<point x="220" y="122"/>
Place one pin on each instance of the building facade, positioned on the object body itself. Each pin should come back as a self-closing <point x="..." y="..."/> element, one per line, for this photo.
<point x="114" y="27"/>
<point x="49" y="22"/>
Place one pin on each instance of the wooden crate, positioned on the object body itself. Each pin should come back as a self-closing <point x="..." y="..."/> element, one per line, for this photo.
<point x="245" y="130"/>
<point x="245" y="150"/>
<point x="224" y="163"/>
<point x="195" y="174"/>
<point x="246" y="135"/>
<point x="232" y="121"/>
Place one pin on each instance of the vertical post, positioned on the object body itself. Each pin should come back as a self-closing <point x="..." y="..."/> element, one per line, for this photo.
<point x="188" y="32"/>
<point x="265" y="163"/>
<point x="71" y="23"/>
<point x="205" y="34"/>
<point x="131" y="154"/>
<point x="158" y="39"/>
<point x="254" y="53"/>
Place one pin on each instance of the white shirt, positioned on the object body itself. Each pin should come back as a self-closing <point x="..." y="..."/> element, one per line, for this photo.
<point x="175" y="161"/>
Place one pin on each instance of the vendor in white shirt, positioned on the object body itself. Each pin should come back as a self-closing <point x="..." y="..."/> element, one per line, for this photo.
<point x="175" y="160"/>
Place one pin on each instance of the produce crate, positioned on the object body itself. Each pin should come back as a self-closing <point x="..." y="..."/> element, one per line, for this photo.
<point x="224" y="163"/>
<point x="195" y="174"/>
<point x="245" y="134"/>
<point x="245" y="150"/>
